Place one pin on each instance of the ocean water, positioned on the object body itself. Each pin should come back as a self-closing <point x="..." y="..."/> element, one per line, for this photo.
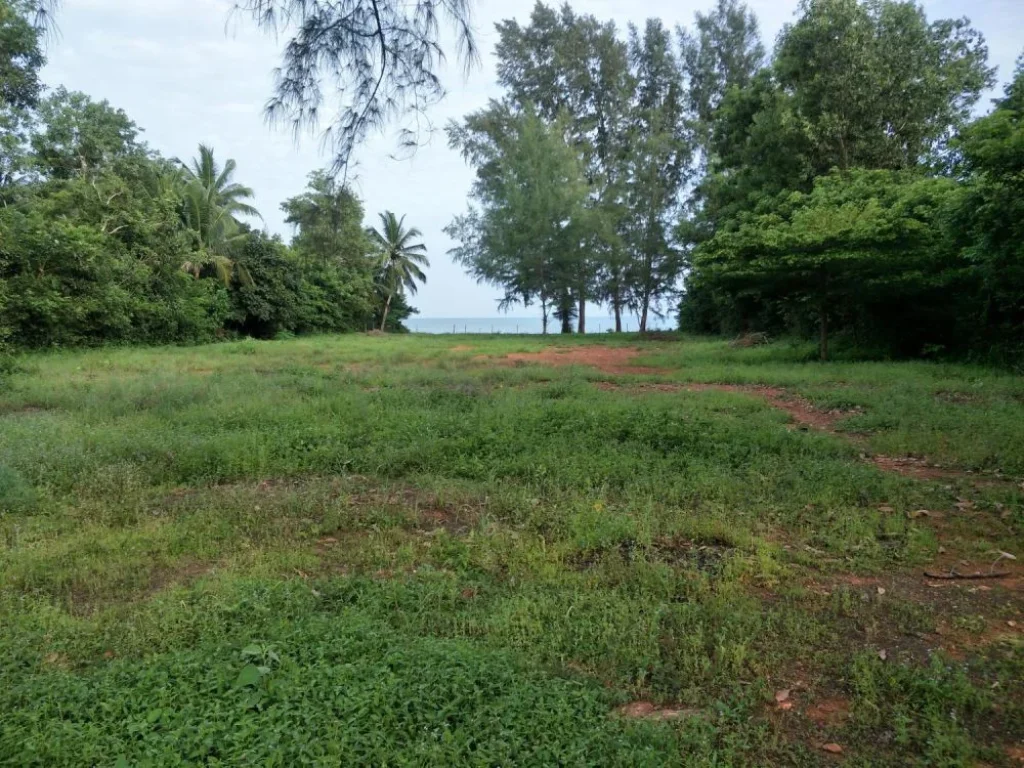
<point x="515" y="325"/>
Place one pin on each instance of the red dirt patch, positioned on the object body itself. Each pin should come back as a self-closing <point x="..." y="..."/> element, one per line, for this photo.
<point x="807" y="416"/>
<point x="606" y="359"/>
<point x="827" y="712"/>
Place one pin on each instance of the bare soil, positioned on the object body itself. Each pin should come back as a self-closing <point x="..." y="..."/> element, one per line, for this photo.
<point x="615" y="360"/>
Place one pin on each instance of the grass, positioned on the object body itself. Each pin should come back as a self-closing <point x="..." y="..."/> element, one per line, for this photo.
<point x="405" y="551"/>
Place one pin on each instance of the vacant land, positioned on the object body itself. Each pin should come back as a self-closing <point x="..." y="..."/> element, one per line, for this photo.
<point x="484" y="551"/>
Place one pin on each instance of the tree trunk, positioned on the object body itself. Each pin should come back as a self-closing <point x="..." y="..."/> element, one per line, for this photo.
<point x="617" y="308"/>
<point x="823" y="345"/>
<point x="643" y="316"/>
<point x="582" y="324"/>
<point x="544" y="315"/>
<point x="387" y="307"/>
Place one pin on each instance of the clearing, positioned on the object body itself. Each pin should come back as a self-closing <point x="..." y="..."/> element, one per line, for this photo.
<point x="509" y="551"/>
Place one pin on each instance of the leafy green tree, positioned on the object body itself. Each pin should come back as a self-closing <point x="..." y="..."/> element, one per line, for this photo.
<point x="379" y="56"/>
<point x="81" y="137"/>
<point x="723" y="52"/>
<point x="528" y="229"/>
<point x="328" y="221"/>
<point x="853" y="84"/>
<point x="990" y="220"/>
<point x="334" y="251"/>
<point x="575" y="69"/>
<point x="401" y="259"/>
<point x="658" y="164"/>
<point x="21" y="58"/>
<point x="212" y="206"/>
<point x="94" y="260"/>
<point x="878" y="86"/>
<point x="857" y="237"/>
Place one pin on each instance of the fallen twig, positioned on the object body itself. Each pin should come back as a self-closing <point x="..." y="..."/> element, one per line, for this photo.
<point x="954" y="575"/>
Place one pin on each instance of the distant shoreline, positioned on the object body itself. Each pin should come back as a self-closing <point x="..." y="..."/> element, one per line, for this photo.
<point x="522" y="325"/>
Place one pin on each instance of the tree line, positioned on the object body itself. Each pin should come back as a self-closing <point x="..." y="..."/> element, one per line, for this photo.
<point x="838" y="186"/>
<point x="103" y="240"/>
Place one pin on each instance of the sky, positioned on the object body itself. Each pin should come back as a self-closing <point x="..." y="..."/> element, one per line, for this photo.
<point x="190" y="72"/>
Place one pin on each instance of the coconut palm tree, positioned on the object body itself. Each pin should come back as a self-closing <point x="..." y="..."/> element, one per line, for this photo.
<point x="400" y="258"/>
<point x="212" y="204"/>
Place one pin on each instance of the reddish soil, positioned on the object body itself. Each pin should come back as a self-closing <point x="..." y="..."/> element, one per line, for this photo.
<point x="614" y="360"/>
<point x="996" y="604"/>
<point x="806" y="415"/>
<point x="826" y="712"/>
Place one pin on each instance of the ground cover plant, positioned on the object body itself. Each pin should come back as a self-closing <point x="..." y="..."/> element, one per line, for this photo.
<point x="507" y="550"/>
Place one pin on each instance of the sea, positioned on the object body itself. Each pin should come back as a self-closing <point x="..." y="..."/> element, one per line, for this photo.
<point x="524" y="325"/>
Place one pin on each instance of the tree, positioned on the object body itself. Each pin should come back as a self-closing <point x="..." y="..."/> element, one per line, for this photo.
<point x="878" y="86"/>
<point x="328" y="221"/>
<point x="212" y="204"/>
<point x="658" y="164"/>
<point x="400" y="258"/>
<point x="380" y="56"/>
<point x="21" y="58"/>
<point x="990" y="218"/>
<point x="530" y="224"/>
<point x="857" y="237"/>
<point x="575" y="68"/>
<point x="81" y="137"/>
<point x="723" y="53"/>
<point x="852" y="84"/>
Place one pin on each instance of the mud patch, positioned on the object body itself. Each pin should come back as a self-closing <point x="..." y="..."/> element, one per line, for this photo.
<point x="828" y="712"/>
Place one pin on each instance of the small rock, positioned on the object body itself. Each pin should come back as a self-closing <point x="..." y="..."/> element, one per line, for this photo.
<point x="835" y="749"/>
<point x="883" y="654"/>
<point x="881" y="590"/>
<point x="781" y="696"/>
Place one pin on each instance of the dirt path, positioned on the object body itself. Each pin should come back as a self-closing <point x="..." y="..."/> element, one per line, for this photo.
<point x="618" y="360"/>
<point x="615" y="360"/>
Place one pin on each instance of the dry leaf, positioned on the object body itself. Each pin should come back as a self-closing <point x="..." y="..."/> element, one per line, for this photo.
<point x="881" y="590"/>
<point x="883" y="654"/>
<point x="835" y="749"/>
<point x="884" y="508"/>
<point x="1011" y="623"/>
<point x="781" y="696"/>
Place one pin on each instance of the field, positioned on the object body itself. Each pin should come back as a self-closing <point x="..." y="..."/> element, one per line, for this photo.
<point x="377" y="550"/>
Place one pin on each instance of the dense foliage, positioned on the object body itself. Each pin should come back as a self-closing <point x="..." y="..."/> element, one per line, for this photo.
<point x="848" y="191"/>
<point x="102" y="240"/>
<point x="837" y="187"/>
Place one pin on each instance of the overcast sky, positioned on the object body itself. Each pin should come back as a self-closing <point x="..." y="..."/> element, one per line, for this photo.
<point x="188" y="72"/>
